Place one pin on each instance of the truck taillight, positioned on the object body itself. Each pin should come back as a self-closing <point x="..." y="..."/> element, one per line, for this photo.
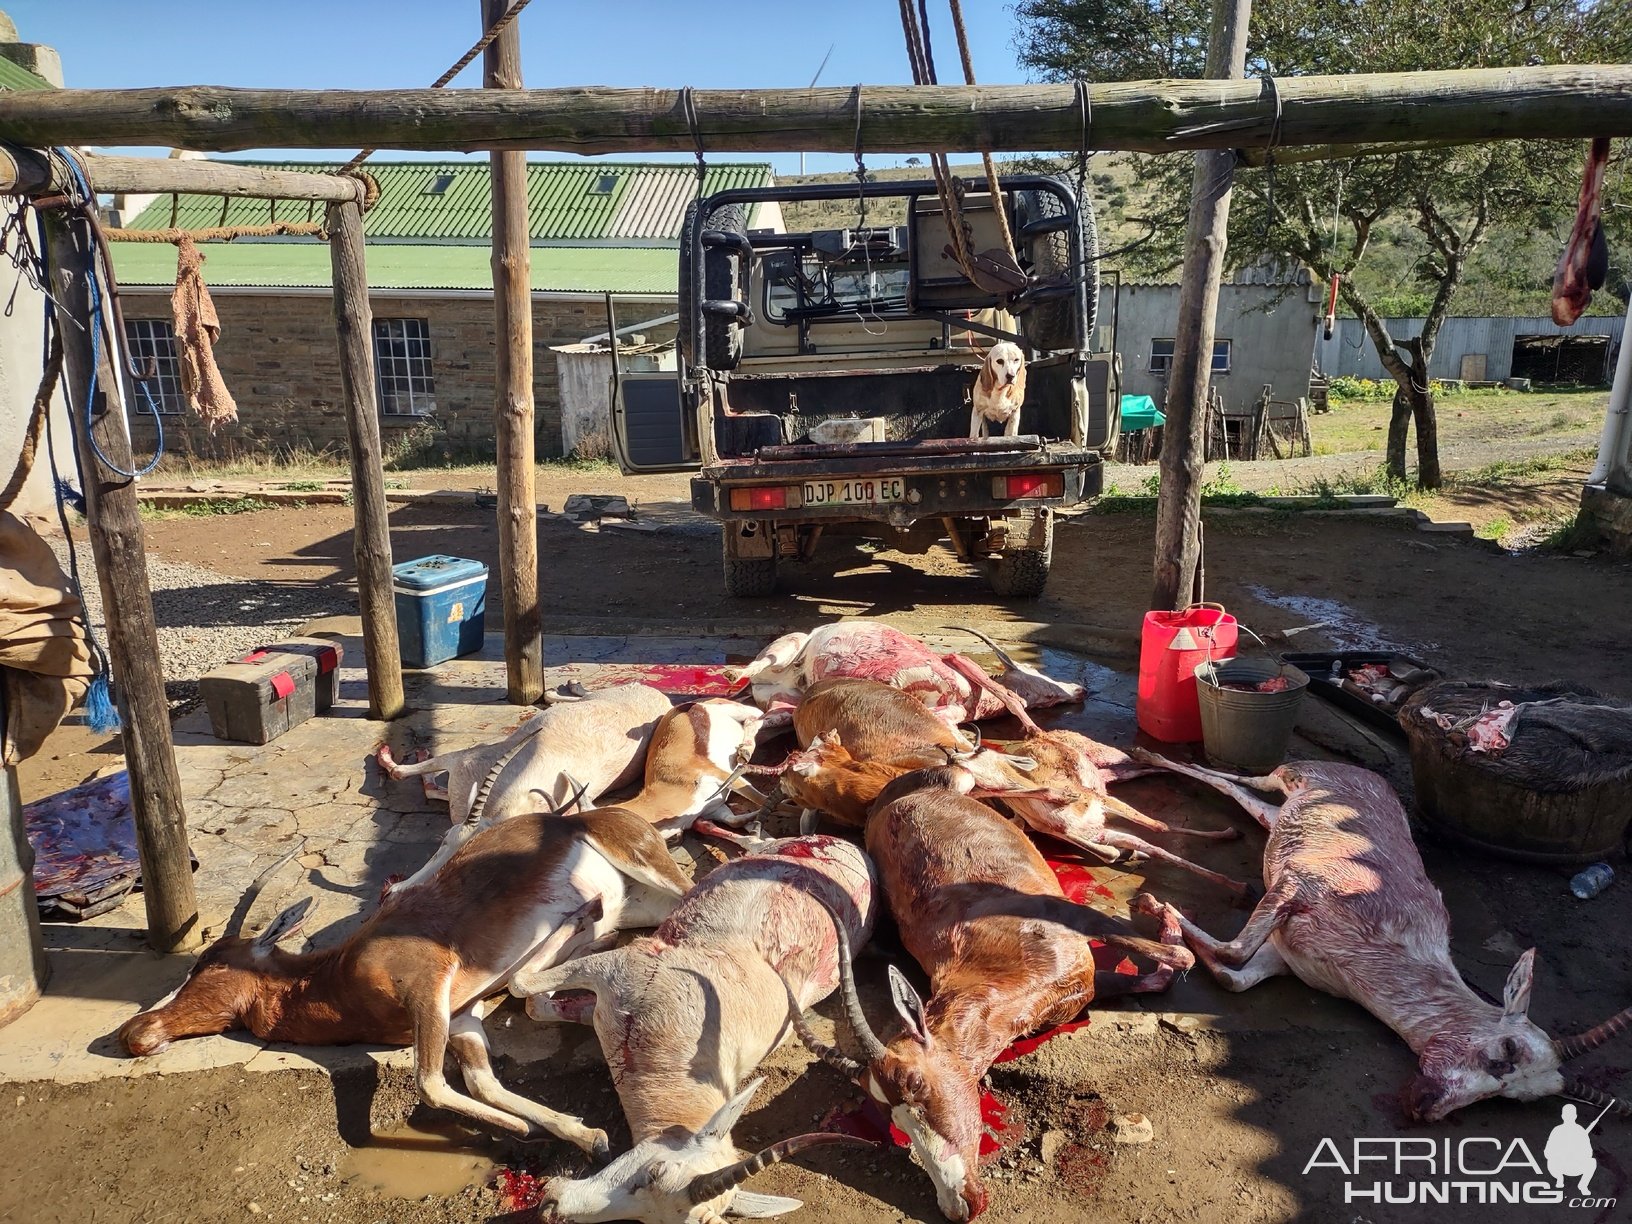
<point x="1033" y="484"/>
<point x="760" y="497"/>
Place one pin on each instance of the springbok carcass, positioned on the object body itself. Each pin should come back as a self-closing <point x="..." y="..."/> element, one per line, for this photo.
<point x="590" y="746"/>
<point x="695" y="760"/>
<point x="1349" y="909"/>
<point x="686" y="1014"/>
<point x="955" y="688"/>
<point x="525" y="894"/>
<point x="1006" y="955"/>
<point x="860" y="734"/>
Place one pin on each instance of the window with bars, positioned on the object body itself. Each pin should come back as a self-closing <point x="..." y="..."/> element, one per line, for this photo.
<point x="1161" y="356"/>
<point x="154" y="340"/>
<point x="402" y="367"/>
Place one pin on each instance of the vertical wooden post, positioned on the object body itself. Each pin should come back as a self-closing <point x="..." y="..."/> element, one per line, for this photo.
<point x="115" y="528"/>
<point x="1184" y="462"/>
<point x="371" y="542"/>
<point x="513" y="387"/>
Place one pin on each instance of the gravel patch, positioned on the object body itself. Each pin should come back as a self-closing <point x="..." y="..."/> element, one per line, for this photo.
<point x="205" y="618"/>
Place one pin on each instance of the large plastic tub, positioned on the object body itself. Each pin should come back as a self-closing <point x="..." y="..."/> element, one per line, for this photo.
<point x="441" y="608"/>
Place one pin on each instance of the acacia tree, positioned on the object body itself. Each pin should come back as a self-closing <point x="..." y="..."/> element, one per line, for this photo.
<point x="1326" y="216"/>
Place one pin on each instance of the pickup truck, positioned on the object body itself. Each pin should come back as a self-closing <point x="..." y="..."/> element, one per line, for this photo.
<point x="824" y="378"/>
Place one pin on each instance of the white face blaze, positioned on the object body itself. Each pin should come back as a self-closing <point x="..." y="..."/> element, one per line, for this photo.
<point x="940" y="1159"/>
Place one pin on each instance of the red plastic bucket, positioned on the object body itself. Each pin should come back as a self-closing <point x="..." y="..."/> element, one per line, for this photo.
<point x="1171" y="647"/>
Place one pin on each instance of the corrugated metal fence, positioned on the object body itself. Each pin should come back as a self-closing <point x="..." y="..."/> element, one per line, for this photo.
<point x="1481" y="341"/>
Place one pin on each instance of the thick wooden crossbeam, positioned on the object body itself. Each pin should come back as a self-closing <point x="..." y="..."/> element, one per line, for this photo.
<point x="27" y="172"/>
<point x="1469" y="105"/>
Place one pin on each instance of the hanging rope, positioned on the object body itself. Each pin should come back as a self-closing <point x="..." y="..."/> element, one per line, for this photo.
<point x="36" y="422"/>
<point x="985" y="157"/>
<point x="503" y="23"/>
<point x="83" y="199"/>
<point x="1269" y="156"/>
<point x="923" y="73"/>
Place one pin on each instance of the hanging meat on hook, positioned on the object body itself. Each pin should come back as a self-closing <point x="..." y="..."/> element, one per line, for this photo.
<point x="1585" y="263"/>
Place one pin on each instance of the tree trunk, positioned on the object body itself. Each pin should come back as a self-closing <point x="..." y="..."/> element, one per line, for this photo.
<point x="1184" y="459"/>
<point x="1422" y="411"/>
<point x="1399" y="425"/>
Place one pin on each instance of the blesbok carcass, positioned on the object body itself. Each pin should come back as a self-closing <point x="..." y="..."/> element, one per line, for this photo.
<point x="860" y="734"/>
<point x="1006" y="955"/>
<point x="592" y="745"/>
<point x="952" y="686"/>
<point x="686" y="1014"/>
<point x="524" y="894"/>
<point x="1348" y="908"/>
<point x="694" y="761"/>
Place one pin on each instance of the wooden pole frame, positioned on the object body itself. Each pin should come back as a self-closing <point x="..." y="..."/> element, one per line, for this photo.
<point x="27" y="172"/>
<point x="371" y="541"/>
<point x="1178" y="562"/>
<point x="115" y="529"/>
<point x="513" y="386"/>
<point x="1560" y="102"/>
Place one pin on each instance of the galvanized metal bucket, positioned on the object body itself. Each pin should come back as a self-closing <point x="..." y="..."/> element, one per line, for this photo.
<point x="1245" y="730"/>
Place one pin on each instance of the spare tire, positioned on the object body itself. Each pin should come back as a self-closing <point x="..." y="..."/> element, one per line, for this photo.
<point x="722" y="342"/>
<point x="1051" y="325"/>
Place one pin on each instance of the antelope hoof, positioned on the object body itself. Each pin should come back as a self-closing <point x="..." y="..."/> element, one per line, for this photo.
<point x="390" y="882"/>
<point x="1144" y="903"/>
<point x="600" y="1147"/>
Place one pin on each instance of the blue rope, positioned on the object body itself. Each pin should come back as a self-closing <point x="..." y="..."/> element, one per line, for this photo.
<point x="88" y="201"/>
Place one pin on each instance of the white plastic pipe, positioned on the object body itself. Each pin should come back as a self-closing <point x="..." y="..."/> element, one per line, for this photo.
<point x="1612" y="443"/>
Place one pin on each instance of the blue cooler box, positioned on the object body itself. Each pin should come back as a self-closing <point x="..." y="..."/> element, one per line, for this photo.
<point x="441" y="608"/>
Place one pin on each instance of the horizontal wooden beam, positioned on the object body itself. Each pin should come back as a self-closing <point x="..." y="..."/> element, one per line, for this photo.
<point x="1479" y="104"/>
<point x="25" y="172"/>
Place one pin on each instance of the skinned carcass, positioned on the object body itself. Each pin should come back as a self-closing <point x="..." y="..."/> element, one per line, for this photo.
<point x="1584" y="265"/>
<point x="686" y="1014"/>
<point x="1348" y="908"/>
<point x="590" y="746"/>
<point x="953" y="687"/>
<point x="524" y="894"/>
<point x="1006" y="955"/>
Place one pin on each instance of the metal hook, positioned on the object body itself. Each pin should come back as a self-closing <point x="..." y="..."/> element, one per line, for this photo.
<point x="688" y="107"/>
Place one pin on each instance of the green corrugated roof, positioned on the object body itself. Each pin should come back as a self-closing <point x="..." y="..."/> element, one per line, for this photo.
<point x="644" y="203"/>
<point x="16" y="77"/>
<point x="404" y="265"/>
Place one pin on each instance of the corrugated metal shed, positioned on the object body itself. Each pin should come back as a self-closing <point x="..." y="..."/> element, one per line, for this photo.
<point x="451" y="201"/>
<point x="16" y="77"/>
<point x="304" y="263"/>
<point x="1351" y="352"/>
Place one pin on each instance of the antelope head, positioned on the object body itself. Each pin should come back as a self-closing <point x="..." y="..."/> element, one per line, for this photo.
<point x="1504" y="1054"/>
<point x="681" y="1178"/>
<point x="1035" y="690"/>
<point x="924" y="1084"/>
<point x="228" y="987"/>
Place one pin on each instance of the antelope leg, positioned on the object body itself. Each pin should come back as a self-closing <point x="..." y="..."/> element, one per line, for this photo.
<point x="468" y="1041"/>
<point x="1132" y="815"/>
<point x="1236" y="788"/>
<point x="1247" y="959"/>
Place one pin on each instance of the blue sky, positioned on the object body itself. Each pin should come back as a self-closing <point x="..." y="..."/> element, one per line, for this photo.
<point x="390" y="44"/>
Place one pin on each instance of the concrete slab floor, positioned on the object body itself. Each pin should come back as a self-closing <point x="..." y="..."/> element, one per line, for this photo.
<point x="247" y="806"/>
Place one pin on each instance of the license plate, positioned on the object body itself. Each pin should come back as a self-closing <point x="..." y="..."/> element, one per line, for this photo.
<point x="870" y="492"/>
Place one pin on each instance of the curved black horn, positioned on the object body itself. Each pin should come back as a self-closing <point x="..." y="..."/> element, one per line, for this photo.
<point x="1574" y="1047"/>
<point x="577" y="799"/>
<point x="1003" y="656"/>
<point x="870" y="1044"/>
<point x="1575" y="1088"/>
<point x="706" y="1186"/>
<point x="235" y="925"/>
<point x="846" y="1066"/>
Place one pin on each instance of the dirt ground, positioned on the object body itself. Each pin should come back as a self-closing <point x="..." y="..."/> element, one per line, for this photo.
<point x="1237" y="1110"/>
